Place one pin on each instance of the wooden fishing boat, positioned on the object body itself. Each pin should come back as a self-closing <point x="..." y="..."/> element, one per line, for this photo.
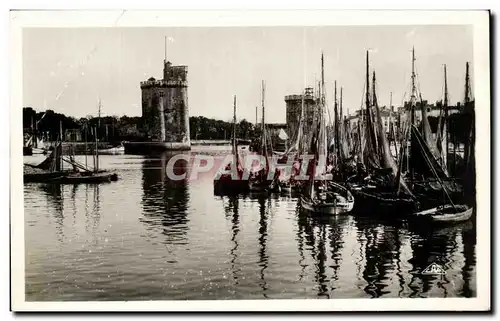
<point x="258" y="180"/>
<point x="43" y="176"/>
<point x="226" y="184"/>
<point x="47" y="170"/>
<point x="328" y="203"/>
<point x="384" y="202"/>
<point x="85" y="178"/>
<point x="333" y="200"/>
<point x="323" y="196"/>
<point x="448" y="213"/>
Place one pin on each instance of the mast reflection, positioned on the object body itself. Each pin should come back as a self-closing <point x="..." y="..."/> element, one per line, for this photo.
<point x="381" y="248"/>
<point x="232" y="212"/>
<point x="54" y="194"/>
<point x="314" y="232"/>
<point x="263" y="256"/>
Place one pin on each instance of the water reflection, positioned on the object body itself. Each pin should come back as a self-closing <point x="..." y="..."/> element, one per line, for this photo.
<point x="165" y="201"/>
<point x="313" y="230"/>
<point x="54" y="195"/>
<point x="232" y="212"/>
<point x="261" y="246"/>
<point x="263" y="256"/>
<point x="336" y="230"/>
<point x="469" y="247"/>
<point x="437" y="245"/>
<point x="381" y="246"/>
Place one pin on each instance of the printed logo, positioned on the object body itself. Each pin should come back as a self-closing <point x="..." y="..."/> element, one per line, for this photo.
<point x="433" y="269"/>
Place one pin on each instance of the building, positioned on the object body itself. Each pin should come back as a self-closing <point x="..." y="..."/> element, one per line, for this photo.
<point x="400" y="114"/>
<point x="385" y="115"/>
<point x="165" y="113"/>
<point x="433" y="110"/>
<point x="293" y="110"/>
<point x="73" y="135"/>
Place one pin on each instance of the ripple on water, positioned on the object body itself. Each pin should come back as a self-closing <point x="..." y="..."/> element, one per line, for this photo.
<point x="147" y="238"/>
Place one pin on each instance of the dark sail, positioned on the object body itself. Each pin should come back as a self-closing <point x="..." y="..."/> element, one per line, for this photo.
<point x="422" y="161"/>
<point x="53" y="161"/>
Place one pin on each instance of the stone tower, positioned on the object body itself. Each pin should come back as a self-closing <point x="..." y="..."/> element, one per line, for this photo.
<point x="293" y="109"/>
<point x="165" y="113"/>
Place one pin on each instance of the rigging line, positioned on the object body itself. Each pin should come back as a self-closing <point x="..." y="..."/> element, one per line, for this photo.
<point x="428" y="161"/>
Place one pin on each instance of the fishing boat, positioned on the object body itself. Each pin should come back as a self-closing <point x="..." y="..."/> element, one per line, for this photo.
<point x="448" y="213"/>
<point x="82" y="174"/>
<point x="76" y="174"/>
<point x="35" y="144"/>
<point x="370" y="199"/>
<point x="50" y="168"/>
<point x="329" y="203"/>
<point x="258" y="180"/>
<point x="288" y="183"/>
<point x="380" y="187"/>
<point x="35" y="175"/>
<point x="227" y="183"/>
<point x="85" y="177"/>
<point x="324" y="196"/>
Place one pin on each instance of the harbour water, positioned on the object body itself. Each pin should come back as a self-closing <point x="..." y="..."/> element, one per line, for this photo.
<point x="147" y="238"/>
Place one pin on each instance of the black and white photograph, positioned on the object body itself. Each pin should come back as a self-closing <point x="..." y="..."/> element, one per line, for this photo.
<point x="243" y="161"/>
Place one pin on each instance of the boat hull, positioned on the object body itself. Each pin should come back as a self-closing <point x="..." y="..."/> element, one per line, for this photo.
<point x="439" y="214"/>
<point x="42" y="177"/>
<point x="230" y="187"/>
<point x="86" y="179"/>
<point x="326" y="208"/>
<point x="382" y="204"/>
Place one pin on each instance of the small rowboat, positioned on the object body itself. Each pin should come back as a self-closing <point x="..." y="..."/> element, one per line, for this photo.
<point x="330" y="202"/>
<point x="447" y="213"/>
<point x="334" y="206"/>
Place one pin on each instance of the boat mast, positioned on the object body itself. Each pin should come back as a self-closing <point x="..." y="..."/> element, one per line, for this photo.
<point x="61" y="135"/>
<point x="367" y="98"/>
<point x="468" y="111"/>
<point x="367" y="123"/>
<point x="336" y="124"/>
<point x="412" y="105"/>
<point x="374" y="104"/>
<point x="445" y="120"/>
<point x="342" y="135"/>
<point x="413" y="97"/>
<point x="301" y="147"/>
<point x="467" y="84"/>
<point x="323" y="107"/>
<point x="235" y="151"/>
<point x="86" y="147"/>
<point x="96" y="137"/>
<point x="263" y="126"/>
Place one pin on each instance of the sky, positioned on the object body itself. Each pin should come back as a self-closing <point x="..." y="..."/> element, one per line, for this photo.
<point x="69" y="69"/>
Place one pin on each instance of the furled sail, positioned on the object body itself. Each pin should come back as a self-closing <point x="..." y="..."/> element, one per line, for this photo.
<point x="370" y="150"/>
<point x="422" y="161"/>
